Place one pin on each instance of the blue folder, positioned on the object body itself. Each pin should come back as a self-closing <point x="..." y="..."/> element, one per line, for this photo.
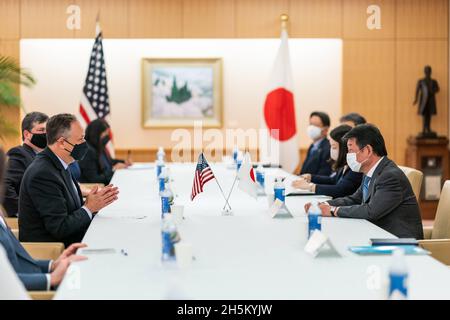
<point x="387" y="250"/>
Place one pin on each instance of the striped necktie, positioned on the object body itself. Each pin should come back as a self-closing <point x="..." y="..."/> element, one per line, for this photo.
<point x="366" y="182"/>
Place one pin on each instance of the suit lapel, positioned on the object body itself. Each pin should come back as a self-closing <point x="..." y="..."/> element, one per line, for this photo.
<point x="68" y="180"/>
<point x="80" y="196"/>
<point x="375" y="175"/>
<point x="64" y="174"/>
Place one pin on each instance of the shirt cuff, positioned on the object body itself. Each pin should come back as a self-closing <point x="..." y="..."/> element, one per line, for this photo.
<point x="50" y="263"/>
<point x="89" y="213"/>
<point x="48" y="281"/>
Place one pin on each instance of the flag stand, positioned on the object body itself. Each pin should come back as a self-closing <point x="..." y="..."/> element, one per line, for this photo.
<point x="226" y="203"/>
<point x="226" y="211"/>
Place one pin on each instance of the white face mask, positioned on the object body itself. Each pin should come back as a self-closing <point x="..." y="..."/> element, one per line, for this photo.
<point x="334" y="154"/>
<point x="353" y="163"/>
<point x="314" y="132"/>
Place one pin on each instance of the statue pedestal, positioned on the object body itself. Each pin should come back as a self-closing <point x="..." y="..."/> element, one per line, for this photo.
<point x="427" y="135"/>
<point x="431" y="157"/>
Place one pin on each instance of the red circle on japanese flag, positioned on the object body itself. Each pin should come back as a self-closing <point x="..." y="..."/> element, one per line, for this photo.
<point x="279" y="114"/>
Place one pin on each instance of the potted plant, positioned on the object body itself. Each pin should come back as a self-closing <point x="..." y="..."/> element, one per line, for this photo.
<point x="11" y="75"/>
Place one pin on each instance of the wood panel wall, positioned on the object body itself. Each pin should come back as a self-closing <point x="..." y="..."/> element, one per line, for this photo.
<point x="380" y="67"/>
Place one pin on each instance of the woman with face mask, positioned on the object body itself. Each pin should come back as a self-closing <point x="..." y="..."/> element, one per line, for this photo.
<point x="98" y="166"/>
<point x="344" y="181"/>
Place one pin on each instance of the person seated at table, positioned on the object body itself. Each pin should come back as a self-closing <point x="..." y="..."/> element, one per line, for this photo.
<point x="352" y="119"/>
<point x="34" y="274"/>
<point x="385" y="196"/>
<point x="50" y="201"/>
<point x="20" y="157"/>
<point x="98" y="166"/>
<point x="344" y="181"/>
<point x="316" y="161"/>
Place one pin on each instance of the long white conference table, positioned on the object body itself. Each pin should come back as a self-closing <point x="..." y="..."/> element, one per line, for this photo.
<point x="245" y="256"/>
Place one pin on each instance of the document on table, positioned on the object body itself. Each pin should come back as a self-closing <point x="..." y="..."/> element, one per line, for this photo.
<point x="98" y="251"/>
<point x="290" y="190"/>
<point x="140" y="166"/>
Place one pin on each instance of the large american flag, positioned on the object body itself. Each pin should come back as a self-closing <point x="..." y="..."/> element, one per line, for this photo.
<point x="95" y="99"/>
<point x="203" y="174"/>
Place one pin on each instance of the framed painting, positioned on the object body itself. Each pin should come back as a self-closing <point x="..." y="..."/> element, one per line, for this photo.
<point x="178" y="92"/>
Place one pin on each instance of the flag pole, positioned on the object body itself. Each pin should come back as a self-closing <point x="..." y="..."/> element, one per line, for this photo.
<point x="223" y="194"/>
<point x="284" y="21"/>
<point x="234" y="182"/>
<point x="221" y="190"/>
<point x="229" y="195"/>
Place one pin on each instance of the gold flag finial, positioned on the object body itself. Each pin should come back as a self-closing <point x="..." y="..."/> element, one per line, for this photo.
<point x="284" y="20"/>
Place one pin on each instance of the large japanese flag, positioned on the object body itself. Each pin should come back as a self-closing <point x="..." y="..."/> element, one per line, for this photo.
<point x="278" y="143"/>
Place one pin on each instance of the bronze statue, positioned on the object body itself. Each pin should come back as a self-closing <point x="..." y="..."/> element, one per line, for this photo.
<point x="427" y="88"/>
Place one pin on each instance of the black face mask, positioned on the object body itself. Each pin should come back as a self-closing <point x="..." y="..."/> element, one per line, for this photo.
<point x="39" y="140"/>
<point x="104" y="141"/>
<point x="79" y="150"/>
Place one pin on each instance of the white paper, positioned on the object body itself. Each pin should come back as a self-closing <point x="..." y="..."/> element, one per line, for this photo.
<point x="276" y="206"/>
<point x="140" y="166"/>
<point x="317" y="241"/>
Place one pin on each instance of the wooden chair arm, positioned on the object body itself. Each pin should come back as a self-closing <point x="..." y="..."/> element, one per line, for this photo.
<point x="427" y="231"/>
<point x="13" y="223"/>
<point x="15" y="233"/>
<point x="41" y="295"/>
<point x="91" y="185"/>
<point x="439" y="248"/>
<point x="44" y="250"/>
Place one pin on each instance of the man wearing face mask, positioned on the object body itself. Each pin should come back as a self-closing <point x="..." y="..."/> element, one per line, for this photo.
<point x="98" y="166"/>
<point x="385" y="197"/>
<point x="20" y="157"/>
<point x="50" y="202"/>
<point x="316" y="162"/>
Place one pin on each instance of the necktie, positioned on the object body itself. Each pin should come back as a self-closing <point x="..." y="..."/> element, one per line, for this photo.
<point x="366" y="182"/>
<point x="74" y="189"/>
<point x="314" y="149"/>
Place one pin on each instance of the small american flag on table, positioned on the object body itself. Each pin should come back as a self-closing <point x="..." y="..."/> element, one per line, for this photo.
<point x="203" y="174"/>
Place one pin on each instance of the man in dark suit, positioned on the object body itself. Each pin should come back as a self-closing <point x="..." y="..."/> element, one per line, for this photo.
<point x="35" y="274"/>
<point x="20" y="157"/>
<point x="385" y="197"/>
<point x="50" y="203"/>
<point x="316" y="162"/>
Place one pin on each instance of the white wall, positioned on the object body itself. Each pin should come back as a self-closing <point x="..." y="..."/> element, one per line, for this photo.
<point x="60" y="66"/>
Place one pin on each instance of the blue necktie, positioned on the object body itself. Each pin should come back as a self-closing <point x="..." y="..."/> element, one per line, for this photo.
<point x="314" y="149"/>
<point x="366" y="182"/>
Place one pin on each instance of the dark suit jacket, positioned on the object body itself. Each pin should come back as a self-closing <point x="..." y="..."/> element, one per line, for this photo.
<point x="317" y="162"/>
<point x="92" y="171"/>
<point x="31" y="272"/>
<point x="342" y="184"/>
<point x="391" y="203"/>
<point x="19" y="158"/>
<point x="48" y="204"/>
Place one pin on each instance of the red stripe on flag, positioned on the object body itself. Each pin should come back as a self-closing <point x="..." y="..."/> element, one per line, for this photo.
<point x="84" y="114"/>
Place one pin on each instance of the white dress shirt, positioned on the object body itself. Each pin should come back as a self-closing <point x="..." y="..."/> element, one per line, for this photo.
<point x="372" y="170"/>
